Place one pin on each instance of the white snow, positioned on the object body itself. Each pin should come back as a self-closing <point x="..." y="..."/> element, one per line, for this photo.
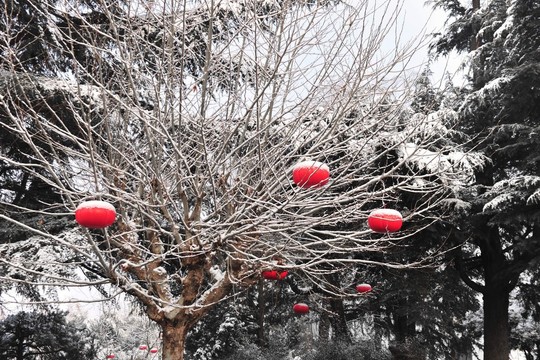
<point x="424" y="159"/>
<point x="216" y="273"/>
<point x="508" y="23"/>
<point x="455" y="168"/>
<point x="495" y="84"/>
<point x="497" y="202"/>
<point x="514" y="189"/>
<point x="515" y="183"/>
<point x="232" y="6"/>
<point x="90" y="92"/>
<point x="309" y="164"/>
<point x="534" y="199"/>
<point x="386" y="213"/>
<point x="93" y="204"/>
<point x="160" y="271"/>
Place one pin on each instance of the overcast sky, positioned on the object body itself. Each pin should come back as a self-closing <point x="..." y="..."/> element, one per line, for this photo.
<point x="419" y="17"/>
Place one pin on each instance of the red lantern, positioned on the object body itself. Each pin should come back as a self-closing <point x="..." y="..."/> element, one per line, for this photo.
<point x="309" y="174"/>
<point x="153" y="350"/>
<point x="274" y="274"/>
<point x="385" y="220"/>
<point x="270" y="274"/>
<point x="110" y="356"/>
<point x="363" y="288"/>
<point x="143" y="347"/>
<point x="301" y="308"/>
<point x="95" y="214"/>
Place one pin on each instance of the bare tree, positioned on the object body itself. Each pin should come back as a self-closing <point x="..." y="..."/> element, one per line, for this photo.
<point x="188" y="117"/>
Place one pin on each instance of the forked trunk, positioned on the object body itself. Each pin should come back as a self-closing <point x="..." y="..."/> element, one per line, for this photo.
<point x="496" y="327"/>
<point x="174" y="340"/>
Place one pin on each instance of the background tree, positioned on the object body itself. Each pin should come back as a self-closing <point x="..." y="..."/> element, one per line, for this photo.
<point x="419" y="310"/>
<point x="188" y="118"/>
<point x="499" y="226"/>
<point x="121" y="329"/>
<point x="44" y="336"/>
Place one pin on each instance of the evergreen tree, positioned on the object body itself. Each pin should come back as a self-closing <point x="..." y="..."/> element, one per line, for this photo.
<point x="526" y="334"/>
<point x="499" y="227"/>
<point x="44" y="336"/>
<point x="121" y="329"/>
<point x="426" y="99"/>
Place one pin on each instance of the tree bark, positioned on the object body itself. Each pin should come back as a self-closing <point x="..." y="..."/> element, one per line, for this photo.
<point x="496" y="295"/>
<point x="496" y="326"/>
<point x="174" y="339"/>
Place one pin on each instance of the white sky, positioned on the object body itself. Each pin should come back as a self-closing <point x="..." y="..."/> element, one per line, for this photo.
<point x="418" y="18"/>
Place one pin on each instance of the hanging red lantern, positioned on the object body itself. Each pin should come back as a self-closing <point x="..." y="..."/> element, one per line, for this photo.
<point x="143" y="347"/>
<point x="309" y="174"/>
<point x="363" y="288"/>
<point x="270" y="274"/>
<point x="385" y="220"/>
<point x="95" y="214"/>
<point x="111" y="356"/>
<point x="153" y="350"/>
<point x="274" y="274"/>
<point x="301" y="308"/>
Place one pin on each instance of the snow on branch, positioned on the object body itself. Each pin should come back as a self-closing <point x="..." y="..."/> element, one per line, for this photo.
<point x="517" y="191"/>
<point x="484" y="95"/>
<point x="31" y="87"/>
<point x="455" y="167"/>
<point x="534" y="199"/>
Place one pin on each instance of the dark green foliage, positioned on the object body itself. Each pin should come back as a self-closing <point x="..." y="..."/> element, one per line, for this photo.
<point x="416" y="337"/>
<point x="44" y="336"/>
<point x="247" y="352"/>
<point x="24" y="21"/>
<point x="452" y="7"/>
<point x="499" y="228"/>
<point x="425" y="310"/>
<point x="232" y="326"/>
<point x="460" y="29"/>
<point x="226" y="327"/>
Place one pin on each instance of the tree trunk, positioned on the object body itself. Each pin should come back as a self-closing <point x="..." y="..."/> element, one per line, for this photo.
<point x="174" y="340"/>
<point x="474" y="43"/>
<point x="496" y="326"/>
<point x="20" y="349"/>
<point x="402" y="348"/>
<point x="339" y="321"/>
<point x="324" y="328"/>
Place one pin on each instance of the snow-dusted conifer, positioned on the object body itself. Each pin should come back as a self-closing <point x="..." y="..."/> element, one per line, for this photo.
<point x="500" y="113"/>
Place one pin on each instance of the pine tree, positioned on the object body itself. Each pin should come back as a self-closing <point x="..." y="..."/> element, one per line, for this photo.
<point x="500" y="228"/>
<point x="44" y="336"/>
